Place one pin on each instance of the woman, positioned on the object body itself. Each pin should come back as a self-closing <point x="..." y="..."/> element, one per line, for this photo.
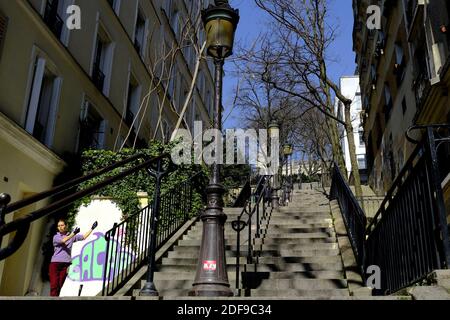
<point x="62" y="256"/>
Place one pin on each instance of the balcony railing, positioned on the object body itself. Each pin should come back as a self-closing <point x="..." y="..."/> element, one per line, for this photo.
<point x="52" y="19"/>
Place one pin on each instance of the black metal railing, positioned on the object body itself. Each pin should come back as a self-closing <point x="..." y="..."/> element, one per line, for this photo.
<point x="128" y="242"/>
<point x="251" y="213"/>
<point x="66" y="197"/>
<point x="408" y="237"/>
<point x="353" y="216"/>
<point x="245" y="194"/>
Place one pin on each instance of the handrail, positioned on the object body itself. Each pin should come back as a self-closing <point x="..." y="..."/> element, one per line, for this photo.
<point x="63" y="187"/>
<point x="128" y="242"/>
<point x="243" y="195"/>
<point x="239" y="225"/>
<point x="21" y="225"/>
<point x="413" y="215"/>
<point x="408" y="237"/>
<point x="352" y="213"/>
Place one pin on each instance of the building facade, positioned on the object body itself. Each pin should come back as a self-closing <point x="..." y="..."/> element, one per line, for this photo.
<point x="118" y="77"/>
<point x="404" y="77"/>
<point x="349" y="86"/>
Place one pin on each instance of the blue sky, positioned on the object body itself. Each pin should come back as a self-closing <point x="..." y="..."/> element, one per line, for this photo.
<point x="252" y="21"/>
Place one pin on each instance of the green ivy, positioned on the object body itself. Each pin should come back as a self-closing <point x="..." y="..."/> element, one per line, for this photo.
<point x="124" y="192"/>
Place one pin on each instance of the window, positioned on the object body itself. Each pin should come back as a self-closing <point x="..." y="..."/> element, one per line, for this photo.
<point x="92" y="129"/>
<point x="373" y="76"/>
<point x="171" y="90"/>
<point x="133" y="102"/>
<point x="140" y="34"/>
<point x="102" y="61"/>
<point x="55" y="16"/>
<point x="3" y="26"/>
<point x="166" y="131"/>
<point x="362" y="162"/>
<point x="388" y="102"/>
<point x="381" y="42"/>
<point x="43" y="104"/>
<point x="399" y="66"/>
<point x="361" y="137"/>
<point x="175" y="23"/>
<point x="366" y="104"/>
<point x="209" y="104"/>
<point x="115" y="5"/>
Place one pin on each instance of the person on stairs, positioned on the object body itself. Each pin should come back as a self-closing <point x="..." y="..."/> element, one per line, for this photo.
<point x="62" y="256"/>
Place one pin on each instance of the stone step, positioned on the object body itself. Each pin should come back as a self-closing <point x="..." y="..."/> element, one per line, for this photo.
<point x="320" y="223"/>
<point x="288" y="230"/>
<point x="175" y="266"/>
<point x="194" y="246"/>
<point x="331" y="275"/>
<point x="273" y="231"/>
<point x="299" y="241"/>
<point x="272" y="235"/>
<point x="299" y="216"/>
<point x="309" y="209"/>
<point x="262" y="253"/>
<point x="299" y="284"/>
<point x="297" y="253"/>
<point x="320" y="294"/>
<point x="283" y="221"/>
<point x="286" y="294"/>
<point x="254" y="283"/>
<point x="262" y="260"/>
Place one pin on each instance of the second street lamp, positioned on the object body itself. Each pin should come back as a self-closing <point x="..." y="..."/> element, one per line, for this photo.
<point x="274" y="131"/>
<point x="287" y="151"/>
<point x="220" y="22"/>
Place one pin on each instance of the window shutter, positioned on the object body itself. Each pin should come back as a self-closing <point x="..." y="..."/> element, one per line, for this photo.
<point x="3" y="25"/>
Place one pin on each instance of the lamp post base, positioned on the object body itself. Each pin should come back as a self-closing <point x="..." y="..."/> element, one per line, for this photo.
<point x="275" y="199"/>
<point x="212" y="279"/>
<point x="211" y="290"/>
<point x="149" y="290"/>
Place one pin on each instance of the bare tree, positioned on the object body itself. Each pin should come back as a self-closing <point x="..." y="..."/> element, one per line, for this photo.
<point x="162" y="67"/>
<point x="294" y="55"/>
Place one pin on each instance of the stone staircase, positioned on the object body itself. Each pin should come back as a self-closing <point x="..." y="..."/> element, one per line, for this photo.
<point x="297" y="255"/>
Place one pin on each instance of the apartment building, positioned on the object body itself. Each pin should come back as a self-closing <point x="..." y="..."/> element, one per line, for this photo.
<point x="350" y="88"/>
<point x="403" y="68"/>
<point x="120" y="79"/>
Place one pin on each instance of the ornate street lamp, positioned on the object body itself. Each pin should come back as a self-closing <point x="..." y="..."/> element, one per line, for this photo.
<point x="274" y="129"/>
<point x="287" y="151"/>
<point x="220" y="21"/>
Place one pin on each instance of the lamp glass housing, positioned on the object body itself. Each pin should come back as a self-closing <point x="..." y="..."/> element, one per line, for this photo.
<point x="273" y="128"/>
<point x="219" y="37"/>
<point x="287" y="149"/>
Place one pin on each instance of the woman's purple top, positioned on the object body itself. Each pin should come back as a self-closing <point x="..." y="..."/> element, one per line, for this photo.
<point x="63" y="250"/>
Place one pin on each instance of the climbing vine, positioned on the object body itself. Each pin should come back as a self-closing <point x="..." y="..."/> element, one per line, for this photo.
<point x="124" y="192"/>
